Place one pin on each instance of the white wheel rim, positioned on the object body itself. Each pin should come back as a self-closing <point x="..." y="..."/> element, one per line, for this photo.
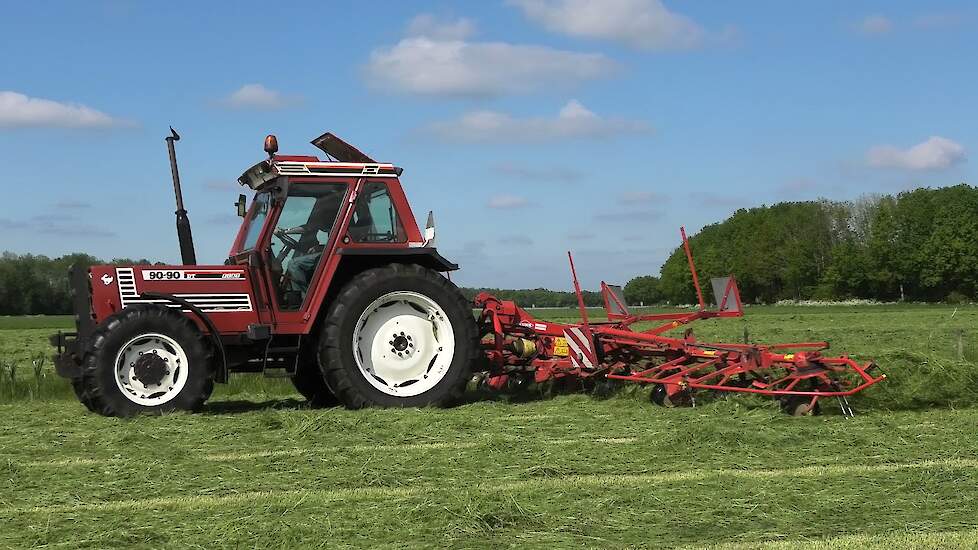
<point x="164" y="370"/>
<point x="403" y="344"/>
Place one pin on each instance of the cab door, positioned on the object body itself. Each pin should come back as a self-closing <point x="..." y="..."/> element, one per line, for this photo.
<point x="299" y="245"/>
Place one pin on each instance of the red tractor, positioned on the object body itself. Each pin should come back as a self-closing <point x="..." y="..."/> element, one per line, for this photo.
<point x="331" y="282"/>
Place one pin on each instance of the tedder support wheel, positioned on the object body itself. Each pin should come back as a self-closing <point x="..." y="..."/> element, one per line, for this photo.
<point x="146" y="359"/>
<point x="308" y="380"/>
<point x="800" y="405"/>
<point x="660" y="396"/>
<point x="398" y="336"/>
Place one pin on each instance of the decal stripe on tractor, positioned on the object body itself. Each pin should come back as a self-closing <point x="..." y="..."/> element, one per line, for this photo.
<point x="215" y="302"/>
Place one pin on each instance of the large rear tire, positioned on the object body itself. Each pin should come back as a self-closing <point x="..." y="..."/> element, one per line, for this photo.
<point x="398" y="336"/>
<point x="308" y="381"/>
<point x="146" y="359"/>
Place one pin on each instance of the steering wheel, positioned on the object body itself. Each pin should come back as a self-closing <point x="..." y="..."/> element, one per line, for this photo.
<point x="288" y="244"/>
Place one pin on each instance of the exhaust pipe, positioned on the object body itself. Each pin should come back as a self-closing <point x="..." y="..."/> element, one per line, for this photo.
<point x="184" y="236"/>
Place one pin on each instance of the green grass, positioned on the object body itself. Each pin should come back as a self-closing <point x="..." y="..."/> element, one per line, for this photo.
<point x="65" y="322"/>
<point x="258" y="469"/>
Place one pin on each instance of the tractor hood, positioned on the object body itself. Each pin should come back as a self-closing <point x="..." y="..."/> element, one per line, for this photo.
<point x="223" y="292"/>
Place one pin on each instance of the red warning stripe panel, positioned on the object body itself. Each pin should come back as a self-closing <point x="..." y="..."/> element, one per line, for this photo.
<point x="582" y="349"/>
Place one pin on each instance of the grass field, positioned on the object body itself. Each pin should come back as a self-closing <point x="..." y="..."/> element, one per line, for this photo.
<point x="258" y="469"/>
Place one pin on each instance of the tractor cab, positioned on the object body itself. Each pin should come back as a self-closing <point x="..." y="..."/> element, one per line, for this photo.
<point x="311" y="219"/>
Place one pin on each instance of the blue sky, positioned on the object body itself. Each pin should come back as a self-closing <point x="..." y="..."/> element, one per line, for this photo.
<point x="530" y="127"/>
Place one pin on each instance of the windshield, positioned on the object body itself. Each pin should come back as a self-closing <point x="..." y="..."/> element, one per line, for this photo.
<point x="259" y="211"/>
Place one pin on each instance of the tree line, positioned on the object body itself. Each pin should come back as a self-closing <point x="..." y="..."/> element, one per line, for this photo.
<point x="38" y="285"/>
<point x="919" y="245"/>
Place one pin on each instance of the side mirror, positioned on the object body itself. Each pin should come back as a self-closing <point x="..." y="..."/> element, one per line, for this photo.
<point x="242" y="205"/>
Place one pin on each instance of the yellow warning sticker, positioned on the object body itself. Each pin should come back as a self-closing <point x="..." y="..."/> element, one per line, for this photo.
<point x="560" y="347"/>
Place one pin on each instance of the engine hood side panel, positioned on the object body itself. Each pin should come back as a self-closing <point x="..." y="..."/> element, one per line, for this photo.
<point x="223" y="292"/>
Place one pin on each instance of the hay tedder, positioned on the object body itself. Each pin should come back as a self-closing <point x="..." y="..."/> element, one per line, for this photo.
<point x="520" y="348"/>
<point x="331" y="283"/>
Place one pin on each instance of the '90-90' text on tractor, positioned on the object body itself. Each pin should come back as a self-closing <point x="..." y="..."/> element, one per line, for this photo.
<point x="331" y="282"/>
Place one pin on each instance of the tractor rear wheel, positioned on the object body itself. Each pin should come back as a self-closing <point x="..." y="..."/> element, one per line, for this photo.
<point x="308" y="381"/>
<point x="398" y="336"/>
<point x="146" y="359"/>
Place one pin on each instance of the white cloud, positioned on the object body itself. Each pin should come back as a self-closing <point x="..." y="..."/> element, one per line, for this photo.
<point x="429" y="26"/>
<point x="20" y="111"/>
<point x="875" y="24"/>
<point x="642" y="24"/>
<point x="256" y="96"/>
<point x="937" y="153"/>
<point x="507" y="202"/>
<point x="573" y="121"/>
<point x="435" y="59"/>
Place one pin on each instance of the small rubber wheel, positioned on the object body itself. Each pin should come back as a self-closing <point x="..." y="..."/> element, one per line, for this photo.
<point x="799" y="405"/>
<point x="308" y="381"/>
<point x="398" y="336"/>
<point x="661" y="397"/>
<point x="146" y="359"/>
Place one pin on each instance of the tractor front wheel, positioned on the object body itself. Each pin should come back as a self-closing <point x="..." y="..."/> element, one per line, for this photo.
<point x="398" y="336"/>
<point x="146" y="359"/>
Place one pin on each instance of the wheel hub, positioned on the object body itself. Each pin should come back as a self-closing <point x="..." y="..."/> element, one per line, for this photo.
<point x="402" y="344"/>
<point x="150" y="369"/>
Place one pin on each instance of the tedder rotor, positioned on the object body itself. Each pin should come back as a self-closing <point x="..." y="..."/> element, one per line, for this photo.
<point x="331" y="283"/>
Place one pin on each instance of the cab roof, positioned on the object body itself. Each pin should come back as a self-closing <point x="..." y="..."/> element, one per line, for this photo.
<point x="344" y="160"/>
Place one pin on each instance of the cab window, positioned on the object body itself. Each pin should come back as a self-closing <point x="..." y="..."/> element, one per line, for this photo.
<point x="300" y="237"/>
<point x="375" y="219"/>
<point x="259" y="211"/>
